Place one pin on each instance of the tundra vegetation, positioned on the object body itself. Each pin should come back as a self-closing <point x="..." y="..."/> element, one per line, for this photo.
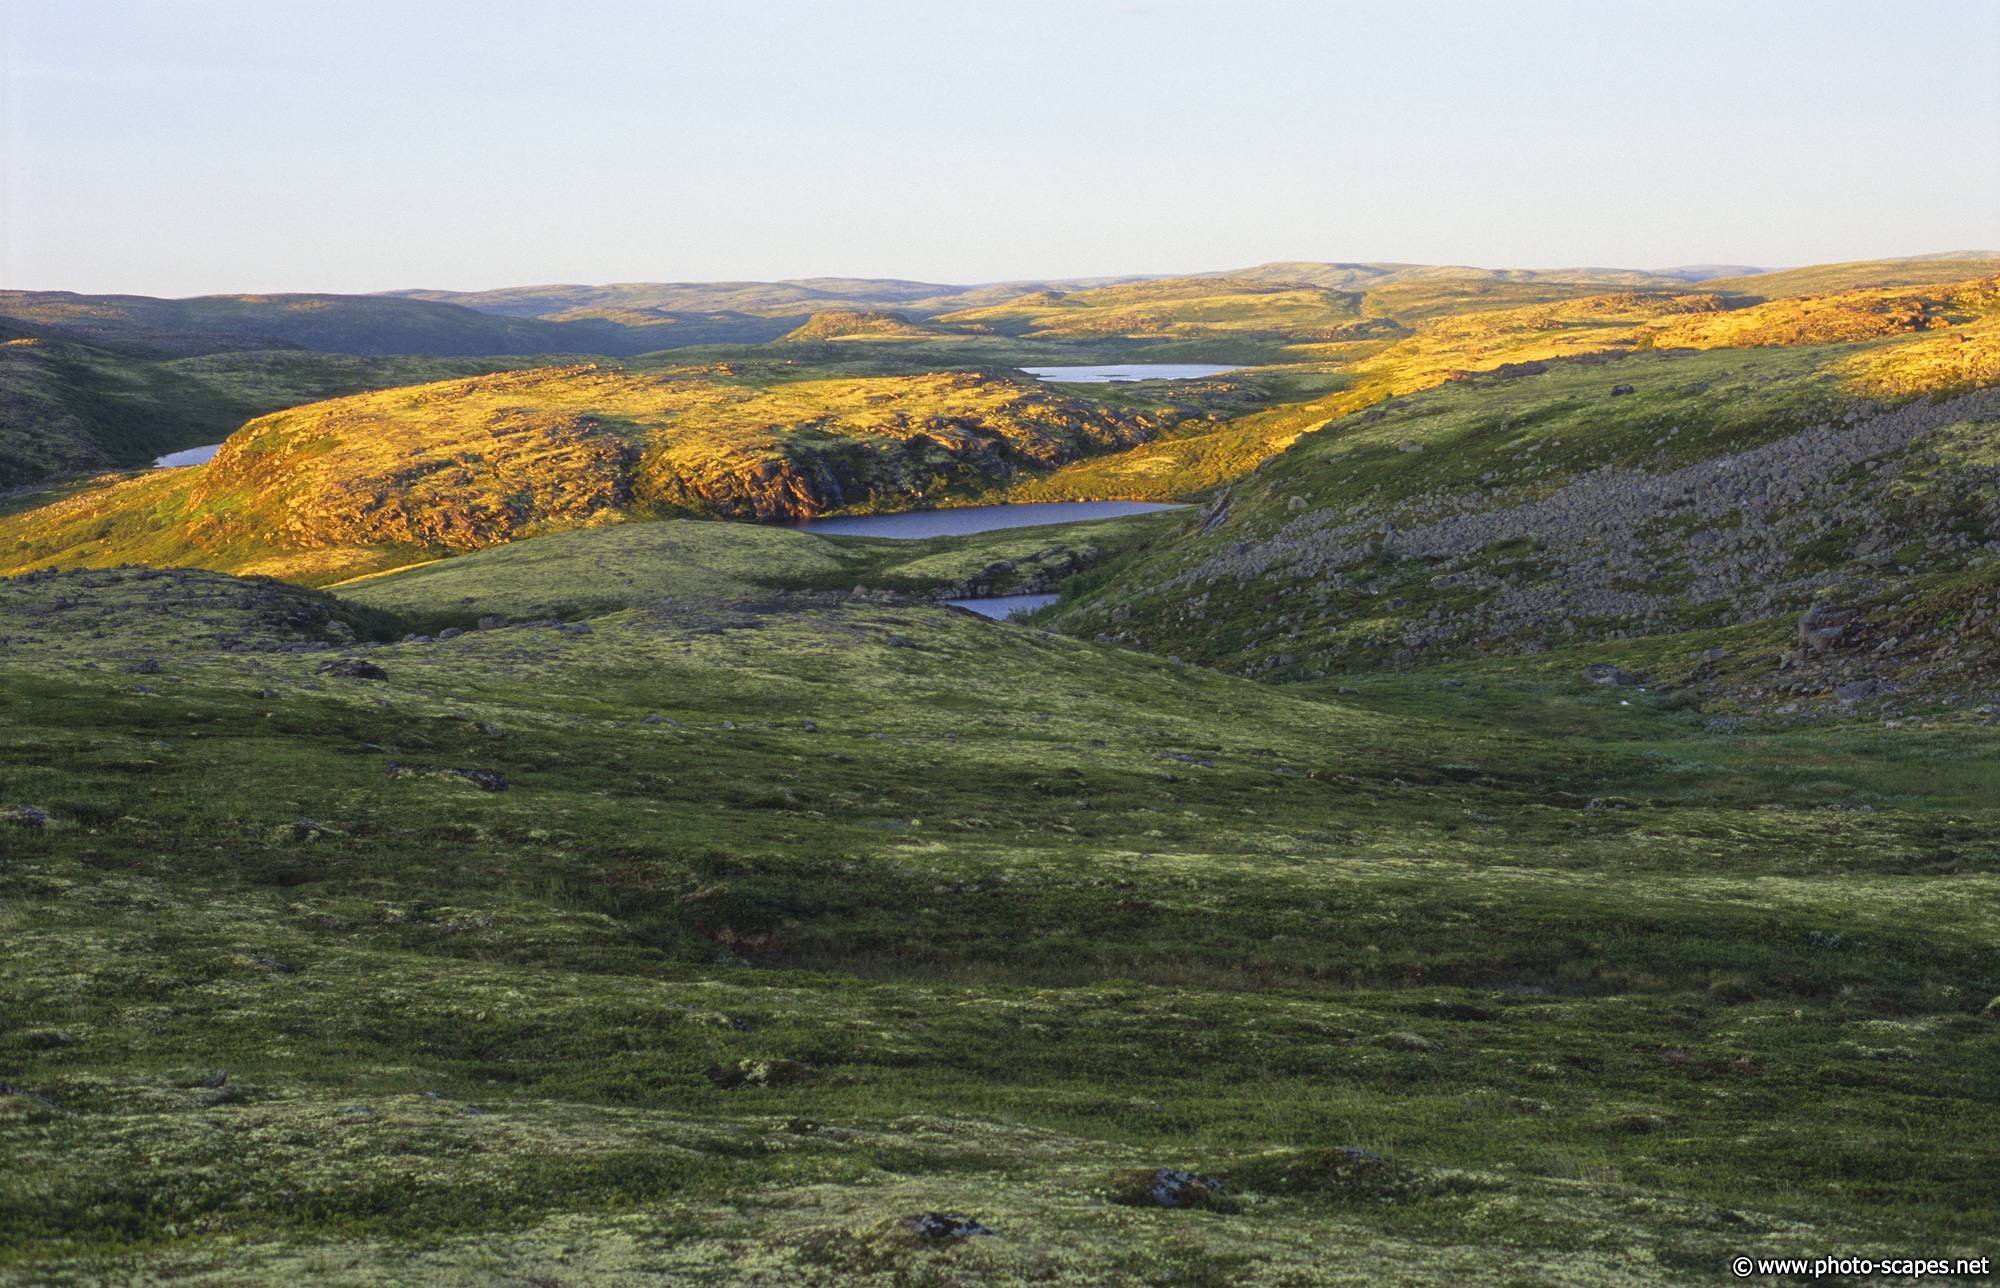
<point x="1530" y="819"/>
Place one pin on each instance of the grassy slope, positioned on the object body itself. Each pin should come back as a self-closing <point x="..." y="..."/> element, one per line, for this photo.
<point x="1856" y="275"/>
<point x="900" y="911"/>
<point x="1458" y="335"/>
<point x="598" y="570"/>
<point x="1507" y="514"/>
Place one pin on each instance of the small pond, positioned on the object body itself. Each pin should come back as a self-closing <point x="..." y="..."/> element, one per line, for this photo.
<point x="1127" y="371"/>
<point x="192" y="456"/>
<point x="1001" y="607"/>
<point x="914" y="524"/>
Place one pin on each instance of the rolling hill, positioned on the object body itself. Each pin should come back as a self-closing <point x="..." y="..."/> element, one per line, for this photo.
<point x="798" y="298"/>
<point x="859" y="324"/>
<point x="1946" y="334"/>
<point x="590" y="571"/>
<point x="1679" y="512"/>
<point x="334" y="489"/>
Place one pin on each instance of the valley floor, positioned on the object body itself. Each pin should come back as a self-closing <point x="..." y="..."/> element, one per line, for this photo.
<point x="712" y="940"/>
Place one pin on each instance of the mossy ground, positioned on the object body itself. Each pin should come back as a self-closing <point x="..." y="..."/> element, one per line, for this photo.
<point x="805" y="913"/>
<point x="602" y="569"/>
<point x="1015" y="915"/>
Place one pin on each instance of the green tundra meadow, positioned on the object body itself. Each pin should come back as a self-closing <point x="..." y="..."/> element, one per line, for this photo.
<point x="1531" y="816"/>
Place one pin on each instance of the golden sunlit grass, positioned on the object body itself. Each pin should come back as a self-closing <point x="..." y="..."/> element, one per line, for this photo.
<point x="1957" y="358"/>
<point x="1941" y="338"/>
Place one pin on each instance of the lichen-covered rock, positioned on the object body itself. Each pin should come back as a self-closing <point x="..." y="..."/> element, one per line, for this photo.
<point x="941" y="1227"/>
<point x="1173" y="1187"/>
<point x="486" y="780"/>
<point x="350" y="668"/>
<point x="24" y="816"/>
<point x="1821" y="627"/>
<point x="766" y="1072"/>
<point x="1342" y="1174"/>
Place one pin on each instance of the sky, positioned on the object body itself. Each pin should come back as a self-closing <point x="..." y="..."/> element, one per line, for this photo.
<point x="173" y="147"/>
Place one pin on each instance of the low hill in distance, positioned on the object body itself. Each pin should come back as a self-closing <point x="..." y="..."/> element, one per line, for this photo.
<point x="804" y="296"/>
<point x="1172" y="307"/>
<point x="866" y="324"/>
<point x="1692" y="273"/>
<point x="622" y="320"/>
<point x="1867" y="274"/>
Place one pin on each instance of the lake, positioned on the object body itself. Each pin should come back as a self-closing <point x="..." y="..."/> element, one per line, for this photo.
<point x="1001" y="607"/>
<point x="192" y="456"/>
<point x="1127" y="371"/>
<point x="959" y="522"/>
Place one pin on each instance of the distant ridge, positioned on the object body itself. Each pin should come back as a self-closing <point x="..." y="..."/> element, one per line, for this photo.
<point x="797" y="298"/>
<point x="1703" y="272"/>
<point x="322" y="323"/>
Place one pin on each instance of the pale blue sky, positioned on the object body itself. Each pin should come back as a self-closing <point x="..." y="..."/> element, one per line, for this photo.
<point x="173" y="147"/>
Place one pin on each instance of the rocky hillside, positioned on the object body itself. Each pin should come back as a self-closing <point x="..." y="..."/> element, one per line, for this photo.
<point x="1774" y="524"/>
<point x="338" y="488"/>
